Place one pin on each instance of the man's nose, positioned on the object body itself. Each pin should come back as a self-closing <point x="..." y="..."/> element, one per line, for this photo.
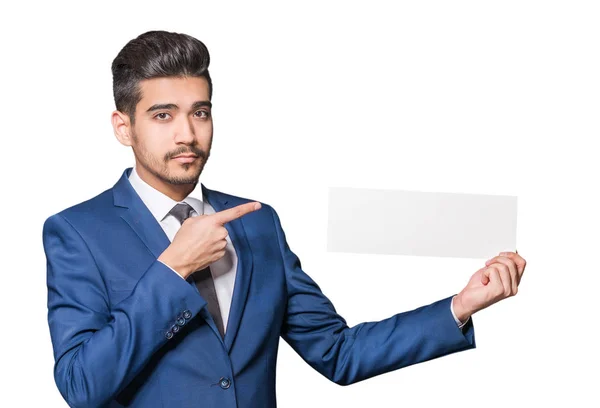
<point x="184" y="132"/>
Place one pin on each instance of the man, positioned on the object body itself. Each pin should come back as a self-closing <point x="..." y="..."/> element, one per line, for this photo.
<point x="161" y="298"/>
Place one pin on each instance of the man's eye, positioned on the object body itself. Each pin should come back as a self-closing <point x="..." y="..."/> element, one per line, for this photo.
<point x="162" y="116"/>
<point x="202" y="114"/>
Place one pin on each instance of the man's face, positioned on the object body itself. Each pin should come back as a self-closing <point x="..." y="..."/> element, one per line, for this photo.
<point x="172" y="118"/>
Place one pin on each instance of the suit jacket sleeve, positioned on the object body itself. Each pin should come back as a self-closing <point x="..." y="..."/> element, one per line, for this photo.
<point x="99" y="348"/>
<point x="347" y="355"/>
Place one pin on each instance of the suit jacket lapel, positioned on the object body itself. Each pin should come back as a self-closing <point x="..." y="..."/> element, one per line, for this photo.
<point x="244" y="269"/>
<point x="139" y="217"/>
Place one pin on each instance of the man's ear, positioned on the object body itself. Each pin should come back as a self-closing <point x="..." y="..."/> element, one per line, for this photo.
<point x="122" y="127"/>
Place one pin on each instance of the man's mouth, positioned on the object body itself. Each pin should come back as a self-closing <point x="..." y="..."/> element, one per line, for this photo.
<point x="185" y="158"/>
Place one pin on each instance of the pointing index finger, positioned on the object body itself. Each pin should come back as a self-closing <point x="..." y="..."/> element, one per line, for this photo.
<point x="231" y="214"/>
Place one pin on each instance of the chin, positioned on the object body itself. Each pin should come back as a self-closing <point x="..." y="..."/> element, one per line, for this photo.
<point x="186" y="179"/>
<point x="185" y="173"/>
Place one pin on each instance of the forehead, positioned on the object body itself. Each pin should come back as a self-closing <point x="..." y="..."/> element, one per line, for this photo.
<point x="182" y="91"/>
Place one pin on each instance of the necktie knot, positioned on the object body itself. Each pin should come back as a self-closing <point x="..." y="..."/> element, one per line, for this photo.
<point x="181" y="211"/>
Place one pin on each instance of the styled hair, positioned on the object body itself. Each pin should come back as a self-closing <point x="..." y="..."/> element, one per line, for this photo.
<point x="156" y="54"/>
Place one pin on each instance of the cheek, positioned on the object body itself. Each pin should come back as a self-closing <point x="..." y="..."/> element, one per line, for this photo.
<point x="156" y="140"/>
<point x="204" y="132"/>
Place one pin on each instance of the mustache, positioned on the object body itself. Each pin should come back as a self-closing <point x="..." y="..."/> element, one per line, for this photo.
<point x="191" y="150"/>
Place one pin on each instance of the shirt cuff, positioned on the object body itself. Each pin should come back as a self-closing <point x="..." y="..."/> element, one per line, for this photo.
<point x="184" y="279"/>
<point x="458" y="322"/>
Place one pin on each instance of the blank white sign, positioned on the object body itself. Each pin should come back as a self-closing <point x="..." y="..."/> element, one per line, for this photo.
<point x="420" y="223"/>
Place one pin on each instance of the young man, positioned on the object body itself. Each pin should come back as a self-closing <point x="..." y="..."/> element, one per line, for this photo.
<point x="158" y="297"/>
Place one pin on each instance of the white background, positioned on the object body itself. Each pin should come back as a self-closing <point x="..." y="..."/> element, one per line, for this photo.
<point x="474" y="97"/>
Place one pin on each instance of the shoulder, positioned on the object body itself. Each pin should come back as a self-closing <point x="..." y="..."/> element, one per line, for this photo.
<point x="84" y="213"/>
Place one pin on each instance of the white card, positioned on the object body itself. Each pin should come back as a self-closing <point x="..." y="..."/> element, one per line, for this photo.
<point x="420" y="223"/>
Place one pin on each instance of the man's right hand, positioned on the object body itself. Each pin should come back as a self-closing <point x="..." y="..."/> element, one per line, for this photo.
<point x="202" y="240"/>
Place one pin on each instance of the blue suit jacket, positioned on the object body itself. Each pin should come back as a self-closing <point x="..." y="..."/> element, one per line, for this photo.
<point x="127" y="331"/>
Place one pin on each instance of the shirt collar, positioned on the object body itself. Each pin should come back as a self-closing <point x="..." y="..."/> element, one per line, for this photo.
<point x="160" y="204"/>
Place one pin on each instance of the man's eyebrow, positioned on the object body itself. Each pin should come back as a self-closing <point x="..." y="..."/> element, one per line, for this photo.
<point x="199" y="104"/>
<point x="162" y="106"/>
<point x="195" y="105"/>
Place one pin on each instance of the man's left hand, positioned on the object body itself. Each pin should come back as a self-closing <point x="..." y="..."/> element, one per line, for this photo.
<point x="498" y="280"/>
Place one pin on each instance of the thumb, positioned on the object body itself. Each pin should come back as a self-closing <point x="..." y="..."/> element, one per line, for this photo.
<point x="485" y="276"/>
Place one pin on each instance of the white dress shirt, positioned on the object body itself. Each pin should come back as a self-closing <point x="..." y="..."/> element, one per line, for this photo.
<point x="224" y="270"/>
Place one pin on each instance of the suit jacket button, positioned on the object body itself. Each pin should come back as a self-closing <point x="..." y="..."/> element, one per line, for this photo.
<point x="175" y="328"/>
<point x="169" y="334"/>
<point x="187" y="315"/>
<point x="224" y="383"/>
<point x="180" y="321"/>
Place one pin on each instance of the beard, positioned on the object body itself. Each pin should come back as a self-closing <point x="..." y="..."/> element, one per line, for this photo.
<point x="160" y="168"/>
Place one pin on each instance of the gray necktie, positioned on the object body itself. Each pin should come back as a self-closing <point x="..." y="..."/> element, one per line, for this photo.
<point x="202" y="278"/>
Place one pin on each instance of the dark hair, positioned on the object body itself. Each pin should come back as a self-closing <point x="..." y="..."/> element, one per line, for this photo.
<point x="156" y="54"/>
